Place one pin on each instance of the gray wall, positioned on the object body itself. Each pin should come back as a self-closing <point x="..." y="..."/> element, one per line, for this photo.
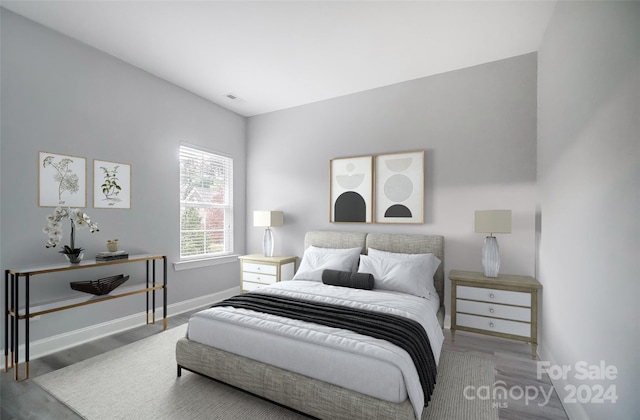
<point x="476" y="125"/>
<point x="61" y="96"/>
<point x="589" y="179"/>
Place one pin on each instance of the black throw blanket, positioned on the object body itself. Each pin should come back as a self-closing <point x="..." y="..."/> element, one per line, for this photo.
<point x="405" y="333"/>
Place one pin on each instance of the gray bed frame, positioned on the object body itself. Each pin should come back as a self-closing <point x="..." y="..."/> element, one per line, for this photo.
<point x="307" y="395"/>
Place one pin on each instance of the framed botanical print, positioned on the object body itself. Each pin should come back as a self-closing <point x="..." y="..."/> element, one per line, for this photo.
<point x="399" y="188"/>
<point x="62" y="180"/>
<point x="351" y="190"/>
<point x="111" y="185"/>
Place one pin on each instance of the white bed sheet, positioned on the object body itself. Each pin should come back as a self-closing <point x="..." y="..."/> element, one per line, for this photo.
<point x="361" y="363"/>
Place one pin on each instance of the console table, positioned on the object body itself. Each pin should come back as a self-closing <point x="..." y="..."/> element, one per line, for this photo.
<point x="15" y="311"/>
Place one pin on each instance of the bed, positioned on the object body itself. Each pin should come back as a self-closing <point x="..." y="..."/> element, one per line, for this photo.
<point x="325" y="372"/>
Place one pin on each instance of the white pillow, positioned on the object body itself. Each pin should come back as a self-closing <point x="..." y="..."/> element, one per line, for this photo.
<point x="408" y="273"/>
<point x="315" y="260"/>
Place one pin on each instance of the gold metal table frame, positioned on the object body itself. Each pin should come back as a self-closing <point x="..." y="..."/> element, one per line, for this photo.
<point x="14" y="312"/>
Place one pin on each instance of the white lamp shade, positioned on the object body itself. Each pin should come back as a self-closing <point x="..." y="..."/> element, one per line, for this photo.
<point x="268" y="218"/>
<point x="493" y="221"/>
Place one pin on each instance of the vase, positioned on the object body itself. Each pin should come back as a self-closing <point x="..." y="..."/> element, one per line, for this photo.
<point x="74" y="258"/>
<point x="112" y="245"/>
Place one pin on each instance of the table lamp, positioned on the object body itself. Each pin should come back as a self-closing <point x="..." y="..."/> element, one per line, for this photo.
<point x="492" y="221"/>
<point x="267" y="219"/>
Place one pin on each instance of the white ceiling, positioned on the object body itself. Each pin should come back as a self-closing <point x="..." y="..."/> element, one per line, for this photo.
<point x="278" y="54"/>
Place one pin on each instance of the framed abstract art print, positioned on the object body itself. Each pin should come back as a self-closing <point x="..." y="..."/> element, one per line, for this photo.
<point x="351" y="190"/>
<point x="399" y="187"/>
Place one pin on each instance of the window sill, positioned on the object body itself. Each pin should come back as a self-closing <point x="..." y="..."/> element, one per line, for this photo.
<point x="204" y="262"/>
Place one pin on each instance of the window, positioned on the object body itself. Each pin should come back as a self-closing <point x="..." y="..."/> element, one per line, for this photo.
<point x="206" y="204"/>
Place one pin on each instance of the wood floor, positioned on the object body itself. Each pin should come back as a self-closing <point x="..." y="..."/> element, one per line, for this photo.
<point x="516" y="372"/>
<point x="26" y="400"/>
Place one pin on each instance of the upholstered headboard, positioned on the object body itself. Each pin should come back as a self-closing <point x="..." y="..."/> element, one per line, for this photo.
<point x="390" y="242"/>
<point x="334" y="239"/>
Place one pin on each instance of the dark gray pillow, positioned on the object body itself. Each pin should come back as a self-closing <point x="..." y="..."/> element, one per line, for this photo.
<point x="348" y="279"/>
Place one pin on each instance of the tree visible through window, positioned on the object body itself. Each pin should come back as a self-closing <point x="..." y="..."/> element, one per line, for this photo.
<point x="206" y="203"/>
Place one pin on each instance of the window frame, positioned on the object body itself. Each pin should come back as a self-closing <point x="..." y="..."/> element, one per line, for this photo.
<point x="227" y="163"/>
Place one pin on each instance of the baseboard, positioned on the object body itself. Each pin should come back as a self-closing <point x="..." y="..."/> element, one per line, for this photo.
<point x="201" y="301"/>
<point x="56" y="343"/>
<point x="574" y="410"/>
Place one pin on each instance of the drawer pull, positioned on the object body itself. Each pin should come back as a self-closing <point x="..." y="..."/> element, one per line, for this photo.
<point x="491" y="295"/>
<point x="491" y="310"/>
<point x="491" y="324"/>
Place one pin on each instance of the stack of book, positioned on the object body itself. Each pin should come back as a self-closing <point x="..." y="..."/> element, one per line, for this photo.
<point x="110" y="256"/>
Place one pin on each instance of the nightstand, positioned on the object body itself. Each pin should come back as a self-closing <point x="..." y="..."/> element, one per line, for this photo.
<point x="505" y="306"/>
<point x="257" y="271"/>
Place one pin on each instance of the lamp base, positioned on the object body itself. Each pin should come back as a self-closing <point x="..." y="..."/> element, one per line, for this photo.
<point x="267" y="243"/>
<point x="491" y="257"/>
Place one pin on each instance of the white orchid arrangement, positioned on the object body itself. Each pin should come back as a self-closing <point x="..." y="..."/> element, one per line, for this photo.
<point x="54" y="228"/>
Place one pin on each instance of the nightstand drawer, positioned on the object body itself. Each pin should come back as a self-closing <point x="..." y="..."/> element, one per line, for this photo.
<point x="260" y="268"/>
<point x="494" y="310"/>
<point x="248" y="286"/>
<point x="494" y="295"/>
<point x="259" y="278"/>
<point x="497" y="325"/>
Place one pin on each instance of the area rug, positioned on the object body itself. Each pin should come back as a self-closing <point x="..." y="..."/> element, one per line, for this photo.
<point x="138" y="381"/>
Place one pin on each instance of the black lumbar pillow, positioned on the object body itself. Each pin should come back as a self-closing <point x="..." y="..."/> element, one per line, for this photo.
<point x="348" y="279"/>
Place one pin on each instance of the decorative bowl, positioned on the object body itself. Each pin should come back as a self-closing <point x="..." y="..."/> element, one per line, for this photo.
<point x="101" y="286"/>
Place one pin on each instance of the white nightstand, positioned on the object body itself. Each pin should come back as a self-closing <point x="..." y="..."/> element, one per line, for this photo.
<point x="505" y="306"/>
<point x="257" y="271"/>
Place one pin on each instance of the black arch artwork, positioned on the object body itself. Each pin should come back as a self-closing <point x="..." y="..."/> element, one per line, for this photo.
<point x="398" y="210"/>
<point x="350" y="207"/>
